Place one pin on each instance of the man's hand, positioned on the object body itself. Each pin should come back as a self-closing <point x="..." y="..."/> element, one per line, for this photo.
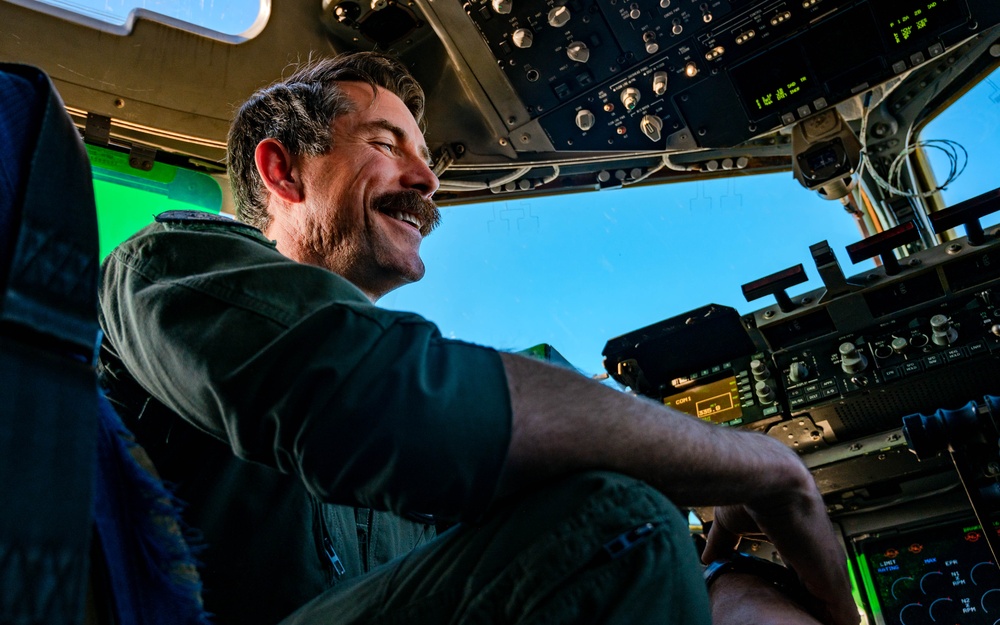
<point x="742" y="599"/>
<point x="803" y="535"/>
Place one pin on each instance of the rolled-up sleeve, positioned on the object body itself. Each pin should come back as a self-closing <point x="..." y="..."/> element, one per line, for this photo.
<point x="294" y="368"/>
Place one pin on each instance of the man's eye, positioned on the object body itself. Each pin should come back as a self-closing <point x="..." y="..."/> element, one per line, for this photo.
<point x="388" y="147"/>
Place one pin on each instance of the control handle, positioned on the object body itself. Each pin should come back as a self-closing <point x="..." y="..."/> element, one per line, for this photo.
<point x="968" y="214"/>
<point x="882" y="245"/>
<point x="775" y="284"/>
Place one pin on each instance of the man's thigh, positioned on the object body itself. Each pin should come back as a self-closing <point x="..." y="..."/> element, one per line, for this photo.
<point x="592" y="548"/>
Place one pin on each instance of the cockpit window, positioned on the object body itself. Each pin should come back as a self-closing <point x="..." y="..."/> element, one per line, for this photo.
<point x="576" y="270"/>
<point x="228" y="20"/>
<point x="973" y="122"/>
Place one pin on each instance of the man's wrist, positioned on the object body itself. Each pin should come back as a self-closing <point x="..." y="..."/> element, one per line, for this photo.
<point x="782" y="578"/>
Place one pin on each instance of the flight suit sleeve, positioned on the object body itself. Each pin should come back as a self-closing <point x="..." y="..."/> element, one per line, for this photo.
<point x="294" y="368"/>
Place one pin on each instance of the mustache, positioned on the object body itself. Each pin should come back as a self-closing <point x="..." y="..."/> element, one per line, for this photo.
<point x="410" y="202"/>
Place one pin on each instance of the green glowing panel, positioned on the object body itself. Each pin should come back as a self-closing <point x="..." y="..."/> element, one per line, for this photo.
<point x="129" y="198"/>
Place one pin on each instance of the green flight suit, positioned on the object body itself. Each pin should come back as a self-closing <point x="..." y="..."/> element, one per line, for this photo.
<point x="267" y="390"/>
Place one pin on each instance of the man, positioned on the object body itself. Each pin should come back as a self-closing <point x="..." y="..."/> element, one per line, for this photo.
<point x="267" y="386"/>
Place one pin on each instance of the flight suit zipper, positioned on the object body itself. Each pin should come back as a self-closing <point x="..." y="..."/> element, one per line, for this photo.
<point x="326" y="542"/>
<point x="364" y="519"/>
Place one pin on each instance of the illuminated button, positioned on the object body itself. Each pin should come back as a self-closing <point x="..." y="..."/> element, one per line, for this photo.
<point x="771" y="410"/>
<point x="912" y="367"/>
<point x="892" y="373"/>
<point x="690" y="70"/>
<point x="798" y="401"/>
<point x="811" y="388"/>
<point x="934" y="360"/>
<point x="957" y="353"/>
<point x="979" y="347"/>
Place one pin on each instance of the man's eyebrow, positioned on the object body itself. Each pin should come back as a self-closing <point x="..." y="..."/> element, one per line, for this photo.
<point x="397" y="132"/>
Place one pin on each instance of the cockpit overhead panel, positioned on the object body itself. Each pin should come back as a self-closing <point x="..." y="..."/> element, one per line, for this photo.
<point x="613" y="75"/>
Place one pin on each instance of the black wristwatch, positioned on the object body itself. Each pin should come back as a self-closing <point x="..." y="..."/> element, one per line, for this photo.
<point x="782" y="578"/>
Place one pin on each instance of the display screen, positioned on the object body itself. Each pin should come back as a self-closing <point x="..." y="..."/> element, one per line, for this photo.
<point x="777" y="81"/>
<point x="904" y="22"/>
<point x="943" y="574"/>
<point x="718" y="402"/>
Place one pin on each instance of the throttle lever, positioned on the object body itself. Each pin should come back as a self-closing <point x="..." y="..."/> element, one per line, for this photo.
<point x="967" y="213"/>
<point x="882" y="245"/>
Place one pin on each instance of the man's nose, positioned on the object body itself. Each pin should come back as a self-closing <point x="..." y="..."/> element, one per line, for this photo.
<point x="421" y="178"/>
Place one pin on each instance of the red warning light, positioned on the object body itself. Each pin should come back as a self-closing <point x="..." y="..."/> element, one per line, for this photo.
<point x="973" y="536"/>
<point x="891" y="553"/>
<point x="916" y="548"/>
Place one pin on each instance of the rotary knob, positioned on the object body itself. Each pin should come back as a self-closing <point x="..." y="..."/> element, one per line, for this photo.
<point x="578" y="51"/>
<point x="659" y="83"/>
<point x="522" y="38"/>
<point x="502" y="7"/>
<point x="798" y="371"/>
<point x="584" y="120"/>
<point x="558" y="17"/>
<point x="651" y="125"/>
<point x="851" y="360"/>
<point x="759" y="370"/>
<point x="764" y="392"/>
<point x="899" y="345"/>
<point x="943" y="332"/>
<point x="630" y="97"/>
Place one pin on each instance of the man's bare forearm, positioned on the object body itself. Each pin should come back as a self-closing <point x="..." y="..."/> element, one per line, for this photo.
<point x="563" y="423"/>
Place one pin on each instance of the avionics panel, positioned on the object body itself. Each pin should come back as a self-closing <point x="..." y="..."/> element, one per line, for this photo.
<point x="940" y="574"/>
<point x="600" y="75"/>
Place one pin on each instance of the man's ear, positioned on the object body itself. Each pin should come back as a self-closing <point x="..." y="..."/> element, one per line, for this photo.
<point x="279" y="171"/>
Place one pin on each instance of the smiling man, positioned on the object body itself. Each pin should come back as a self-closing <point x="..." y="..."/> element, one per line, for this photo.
<point x="315" y="436"/>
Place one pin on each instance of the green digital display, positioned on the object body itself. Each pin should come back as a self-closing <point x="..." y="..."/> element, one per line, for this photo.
<point x="905" y="22"/>
<point x="782" y="92"/>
